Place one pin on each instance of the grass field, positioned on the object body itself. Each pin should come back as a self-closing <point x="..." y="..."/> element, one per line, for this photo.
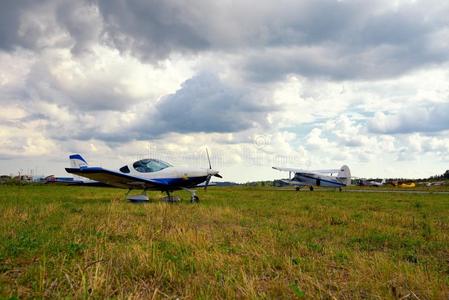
<point x="237" y="243"/>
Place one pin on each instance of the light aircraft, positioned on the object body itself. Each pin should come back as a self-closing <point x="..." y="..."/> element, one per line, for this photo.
<point x="372" y="183"/>
<point x="146" y="174"/>
<point x="407" y="185"/>
<point x="403" y="184"/>
<point x="79" y="181"/>
<point x="435" y="183"/>
<point x="323" y="178"/>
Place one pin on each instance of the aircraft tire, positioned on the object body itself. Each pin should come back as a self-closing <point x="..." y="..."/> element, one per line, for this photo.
<point x="297" y="188"/>
<point x="195" y="199"/>
<point x="311" y="188"/>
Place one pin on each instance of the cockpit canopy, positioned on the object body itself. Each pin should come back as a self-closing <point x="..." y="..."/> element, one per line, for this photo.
<point x="150" y="165"/>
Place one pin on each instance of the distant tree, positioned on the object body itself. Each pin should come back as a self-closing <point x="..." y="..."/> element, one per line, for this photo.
<point x="446" y="174"/>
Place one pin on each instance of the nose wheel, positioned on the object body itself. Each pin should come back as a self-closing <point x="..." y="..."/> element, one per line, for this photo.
<point x="193" y="198"/>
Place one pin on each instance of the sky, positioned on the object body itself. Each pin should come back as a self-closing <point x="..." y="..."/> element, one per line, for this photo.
<point x="308" y="84"/>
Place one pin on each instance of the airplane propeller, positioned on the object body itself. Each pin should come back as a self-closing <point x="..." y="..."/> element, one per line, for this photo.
<point x="210" y="172"/>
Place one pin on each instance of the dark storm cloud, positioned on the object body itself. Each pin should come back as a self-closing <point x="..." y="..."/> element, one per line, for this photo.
<point x="359" y="40"/>
<point x="338" y="63"/>
<point x="206" y="104"/>
<point x="202" y="104"/>
<point x="37" y="25"/>
<point x="355" y="45"/>
<point x="81" y="21"/>
<point x="351" y="39"/>
<point x="432" y="117"/>
<point x="10" y="14"/>
<point x="151" y="29"/>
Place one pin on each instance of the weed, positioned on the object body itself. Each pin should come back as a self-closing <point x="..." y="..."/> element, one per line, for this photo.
<point x="296" y="290"/>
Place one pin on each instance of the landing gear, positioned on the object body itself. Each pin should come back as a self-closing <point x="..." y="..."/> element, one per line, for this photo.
<point x="340" y="189"/>
<point x="193" y="198"/>
<point x="311" y="188"/>
<point x="297" y="188"/>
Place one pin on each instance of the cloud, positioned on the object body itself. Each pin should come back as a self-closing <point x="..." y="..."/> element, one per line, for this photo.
<point x="10" y="15"/>
<point x="206" y="104"/>
<point x="429" y="118"/>
<point x="152" y="29"/>
<point x="99" y="81"/>
<point x="48" y="24"/>
<point x="202" y="104"/>
<point x="351" y="39"/>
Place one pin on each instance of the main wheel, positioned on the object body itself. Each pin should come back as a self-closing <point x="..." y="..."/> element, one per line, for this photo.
<point x="195" y="199"/>
<point x="311" y="188"/>
<point x="297" y="188"/>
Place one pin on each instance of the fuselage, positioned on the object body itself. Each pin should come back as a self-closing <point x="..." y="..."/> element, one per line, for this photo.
<point x="313" y="179"/>
<point x="175" y="176"/>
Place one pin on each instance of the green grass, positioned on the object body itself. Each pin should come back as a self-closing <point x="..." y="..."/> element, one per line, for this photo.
<point x="58" y="242"/>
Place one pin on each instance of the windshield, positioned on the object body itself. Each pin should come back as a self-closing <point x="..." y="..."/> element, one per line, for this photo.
<point x="150" y="165"/>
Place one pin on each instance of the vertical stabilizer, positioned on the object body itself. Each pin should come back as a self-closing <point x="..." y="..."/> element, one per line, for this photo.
<point x="345" y="175"/>
<point x="77" y="161"/>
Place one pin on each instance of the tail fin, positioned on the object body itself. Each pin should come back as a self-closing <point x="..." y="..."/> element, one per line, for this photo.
<point x="345" y="175"/>
<point x="77" y="161"/>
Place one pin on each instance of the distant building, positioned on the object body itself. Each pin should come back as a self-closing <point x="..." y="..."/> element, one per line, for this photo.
<point x="5" y="178"/>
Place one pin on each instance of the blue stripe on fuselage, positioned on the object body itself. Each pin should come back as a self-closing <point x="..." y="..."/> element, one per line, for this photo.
<point x="181" y="182"/>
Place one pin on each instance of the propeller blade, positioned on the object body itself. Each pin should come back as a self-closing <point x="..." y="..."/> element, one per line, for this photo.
<point x="218" y="175"/>
<point x="207" y="182"/>
<point x="208" y="158"/>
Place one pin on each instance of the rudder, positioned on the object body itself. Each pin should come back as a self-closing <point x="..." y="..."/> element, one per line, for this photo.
<point x="345" y="175"/>
<point x="77" y="161"/>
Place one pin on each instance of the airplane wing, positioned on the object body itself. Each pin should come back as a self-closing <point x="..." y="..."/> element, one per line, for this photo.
<point x="329" y="171"/>
<point x="116" y="179"/>
<point x="291" y="170"/>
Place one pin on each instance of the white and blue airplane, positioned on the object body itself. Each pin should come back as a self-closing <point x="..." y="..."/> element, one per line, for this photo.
<point x="146" y="174"/>
<point x="321" y="178"/>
